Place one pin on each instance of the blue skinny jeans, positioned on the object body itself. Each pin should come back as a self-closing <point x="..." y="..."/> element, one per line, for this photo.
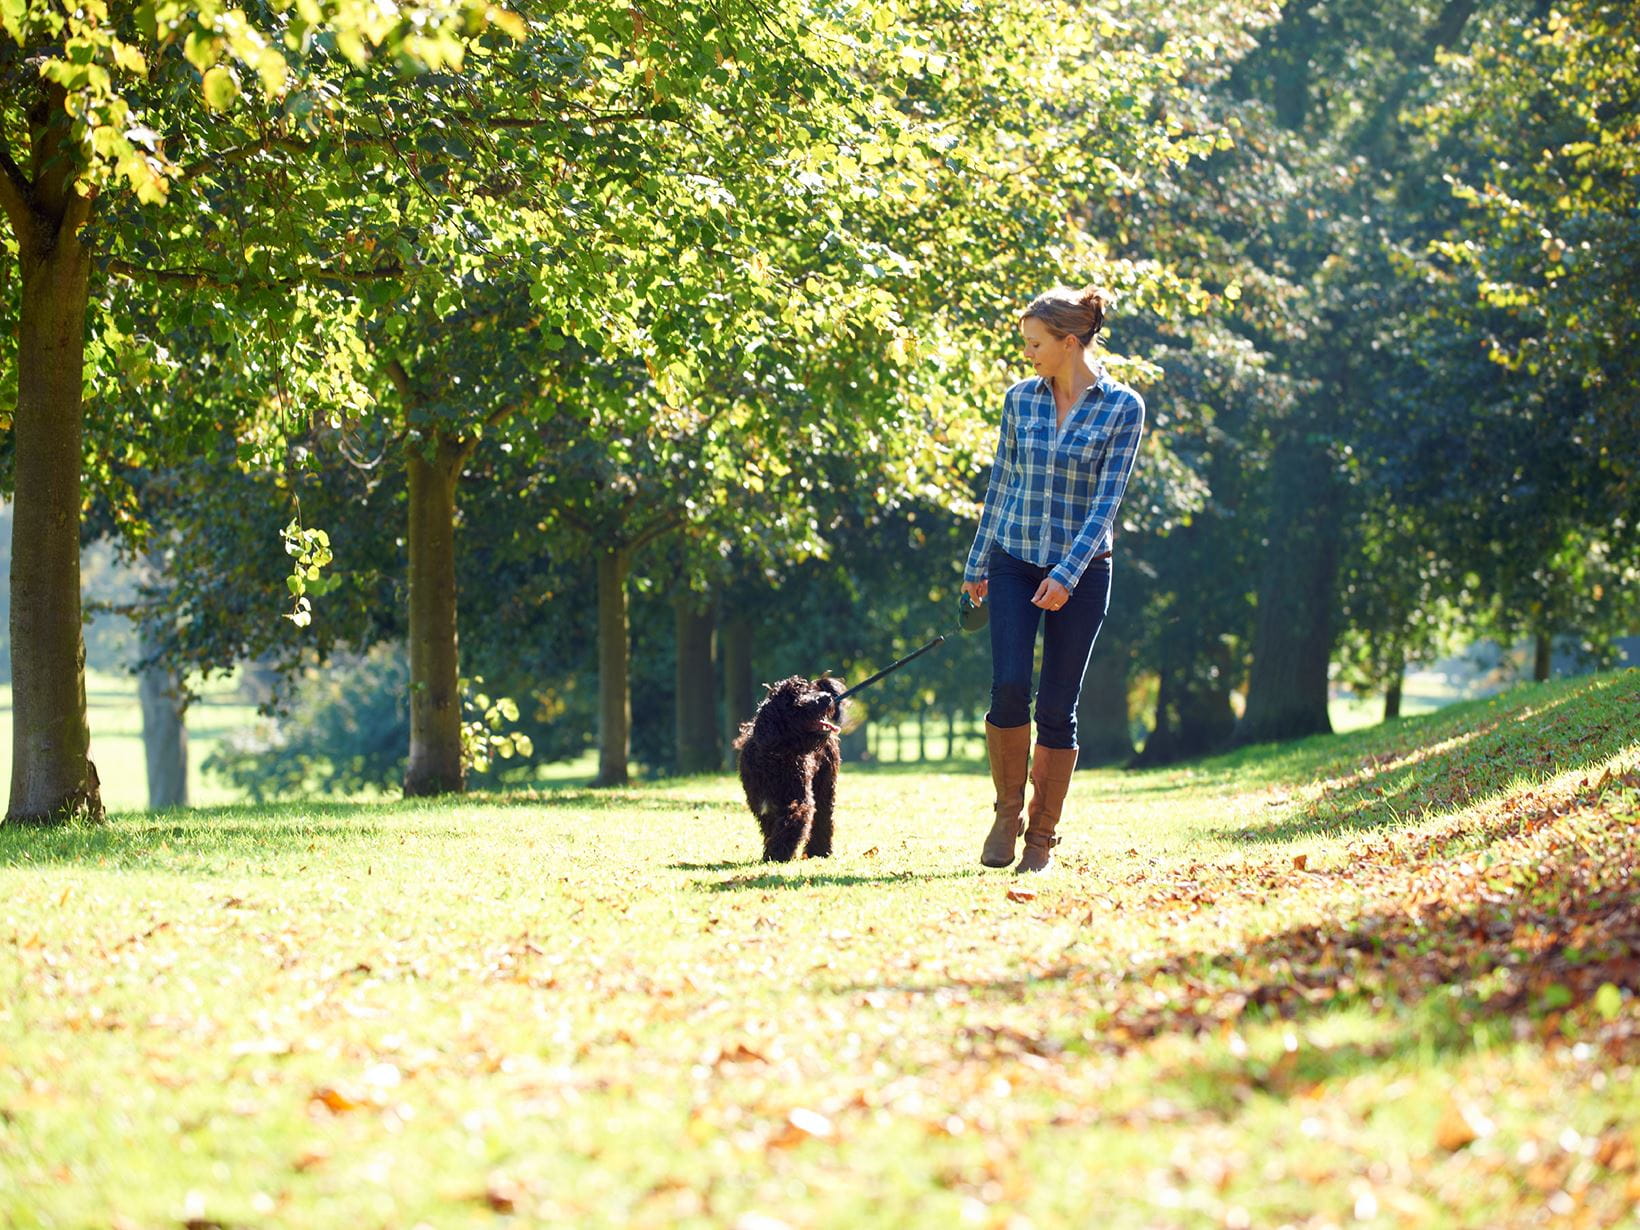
<point x="1067" y="642"/>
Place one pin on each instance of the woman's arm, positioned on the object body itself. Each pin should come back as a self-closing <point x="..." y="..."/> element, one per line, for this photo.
<point x="1001" y="468"/>
<point x="1107" y="494"/>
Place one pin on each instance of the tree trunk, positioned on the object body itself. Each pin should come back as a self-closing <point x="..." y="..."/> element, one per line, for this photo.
<point x="435" y="697"/>
<point x="1542" y="646"/>
<point x="164" y="735"/>
<point x="614" y="655"/>
<point x="922" y="736"/>
<point x="1293" y="629"/>
<point x="739" y="688"/>
<point x="52" y="777"/>
<point x="1392" y="697"/>
<point x="1193" y="712"/>
<point x="1103" y="726"/>
<point x="855" y="743"/>
<point x="950" y="734"/>
<point x="697" y="727"/>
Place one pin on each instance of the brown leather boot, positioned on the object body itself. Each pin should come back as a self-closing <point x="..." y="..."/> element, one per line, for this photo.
<point x="1009" y="750"/>
<point x="1051" y="769"/>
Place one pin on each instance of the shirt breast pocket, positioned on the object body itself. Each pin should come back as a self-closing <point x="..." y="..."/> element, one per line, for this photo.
<point x="1085" y="444"/>
<point x="1035" y="440"/>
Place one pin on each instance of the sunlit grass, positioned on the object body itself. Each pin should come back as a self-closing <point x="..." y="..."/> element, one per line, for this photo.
<point x="596" y="1007"/>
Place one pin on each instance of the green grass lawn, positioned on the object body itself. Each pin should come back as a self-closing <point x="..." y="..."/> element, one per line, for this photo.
<point x="1384" y="978"/>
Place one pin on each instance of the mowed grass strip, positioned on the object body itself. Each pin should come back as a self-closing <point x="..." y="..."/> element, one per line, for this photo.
<point x="1385" y="978"/>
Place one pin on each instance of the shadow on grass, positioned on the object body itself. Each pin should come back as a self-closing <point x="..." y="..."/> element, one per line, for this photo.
<point x="240" y="830"/>
<point x="1454" y="958"/>
<point x="1462" y="758"/>
<point x="959" y="765"/>
<point x="723" y="865"/>
<point x="772" y="880"/>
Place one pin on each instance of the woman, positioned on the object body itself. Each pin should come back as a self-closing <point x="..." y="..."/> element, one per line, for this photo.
<point x="1042" y="557"/>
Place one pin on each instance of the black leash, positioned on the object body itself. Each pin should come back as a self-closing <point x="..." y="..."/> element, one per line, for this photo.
<point x="937" y="641"/>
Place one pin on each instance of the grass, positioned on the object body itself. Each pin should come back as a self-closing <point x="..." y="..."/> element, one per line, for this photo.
<point x="1383" y="978"/>
<point x="115" y="719"/>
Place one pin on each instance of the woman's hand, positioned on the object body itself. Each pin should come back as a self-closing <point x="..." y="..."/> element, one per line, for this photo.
<point x="1050" y="595"/>
<point x="976" y="590"/>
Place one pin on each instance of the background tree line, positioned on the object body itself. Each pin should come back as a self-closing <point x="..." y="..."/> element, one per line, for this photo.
<point x="629" y="359"/>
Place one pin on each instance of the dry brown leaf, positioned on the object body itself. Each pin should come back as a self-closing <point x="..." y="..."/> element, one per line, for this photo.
<point x="310" y="1160"/>
<point x="1616" y="1151"/>
<point x="1022" y="894"/>
<point x="335" y="1100"/>
<point x="1301" y="862"/>
<point x="802" y="1125"/>
<point x="1460" y="1125"/>
<point x="501" y="1194"/>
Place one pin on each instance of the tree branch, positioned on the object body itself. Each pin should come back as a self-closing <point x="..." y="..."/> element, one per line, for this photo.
<point x="662" y="525"/>
<point x="199" y="279"/>
<point x="537" y="121"/>
<point x="15" y="191"/>
<point x="401" y="382"/>
<point x="299" y="145"/>
<point x="580" y="524"/>
<point x="264" y="145"/>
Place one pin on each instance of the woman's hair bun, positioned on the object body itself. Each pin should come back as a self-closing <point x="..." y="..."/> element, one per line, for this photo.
<point x="1097" y="300"/>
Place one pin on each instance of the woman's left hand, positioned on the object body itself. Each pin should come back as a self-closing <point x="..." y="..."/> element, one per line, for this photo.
<point x="1051" y="595"/>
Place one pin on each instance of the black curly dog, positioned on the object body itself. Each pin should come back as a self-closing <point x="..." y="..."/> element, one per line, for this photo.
<point x="788" y="765"/>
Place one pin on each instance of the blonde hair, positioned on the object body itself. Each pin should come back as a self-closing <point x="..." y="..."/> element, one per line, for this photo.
<point x="1071" y="313"/>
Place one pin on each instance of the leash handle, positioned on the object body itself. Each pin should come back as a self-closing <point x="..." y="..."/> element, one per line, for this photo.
<point x="938" y="640"/>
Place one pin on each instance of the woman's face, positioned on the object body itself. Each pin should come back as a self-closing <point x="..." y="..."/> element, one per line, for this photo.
<point x="1050" y="355"/>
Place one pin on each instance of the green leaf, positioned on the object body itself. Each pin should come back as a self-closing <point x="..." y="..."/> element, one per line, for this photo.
<point x="13" y="13"/>
<point x="1608" y="1001"/>
<point x="271" y="68"/>
<point x="221" y="88"/>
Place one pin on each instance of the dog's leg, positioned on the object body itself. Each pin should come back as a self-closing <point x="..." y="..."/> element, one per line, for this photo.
<point x="786" y="824"/>
<point x="786" y="830"/>
<point x="825" y="796"/>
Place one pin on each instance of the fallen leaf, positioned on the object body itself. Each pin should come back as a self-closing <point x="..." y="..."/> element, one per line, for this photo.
<point x="1022" y="894"/>
<point x="501" y="1194"/>
<point x="1616" y="1151"/>
<point x="1461" y="1125"/>
<point x="1301" y="862"/>
<point x="334" y="1100"/>
<point x="802" y="1125"/>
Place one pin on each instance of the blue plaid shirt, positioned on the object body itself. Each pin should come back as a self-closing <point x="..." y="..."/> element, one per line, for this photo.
<point x="1055" y="489"/>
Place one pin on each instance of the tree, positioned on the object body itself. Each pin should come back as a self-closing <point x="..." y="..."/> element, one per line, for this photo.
<point x="135" y="135"/>
<point x="1330" y="120"/>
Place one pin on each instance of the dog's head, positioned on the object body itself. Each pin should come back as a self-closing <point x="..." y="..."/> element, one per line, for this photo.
<point x="804" y="710"/>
